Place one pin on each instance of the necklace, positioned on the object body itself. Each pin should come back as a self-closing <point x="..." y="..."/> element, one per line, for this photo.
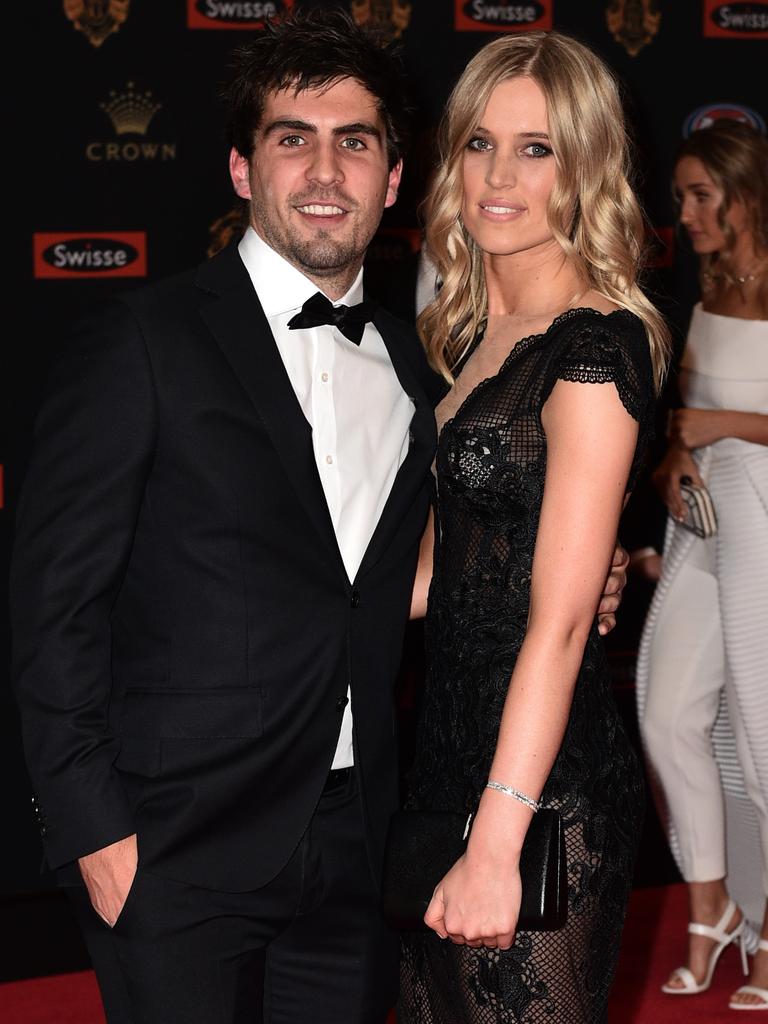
<point x="750" y="275"/>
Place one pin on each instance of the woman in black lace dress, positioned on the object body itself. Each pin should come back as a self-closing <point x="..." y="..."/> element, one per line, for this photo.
<point x="537" y="239"/>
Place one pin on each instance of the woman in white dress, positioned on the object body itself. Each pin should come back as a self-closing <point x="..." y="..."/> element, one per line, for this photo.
<point x="703" y="667"/>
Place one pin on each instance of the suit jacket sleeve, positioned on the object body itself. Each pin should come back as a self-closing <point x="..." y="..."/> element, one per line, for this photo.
<point x="91" y="456"/>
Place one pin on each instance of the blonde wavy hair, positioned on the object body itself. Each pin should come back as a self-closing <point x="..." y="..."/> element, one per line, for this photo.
<point x="593" y="212"/>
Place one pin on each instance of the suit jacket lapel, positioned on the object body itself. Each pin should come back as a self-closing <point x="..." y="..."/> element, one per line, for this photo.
<point x="411" y="475"/>
<point x="243" y="334"/>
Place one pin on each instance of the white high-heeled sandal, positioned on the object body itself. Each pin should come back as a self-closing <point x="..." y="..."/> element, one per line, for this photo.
<point x="740" y="934"/>
<point x="752" y="990"/>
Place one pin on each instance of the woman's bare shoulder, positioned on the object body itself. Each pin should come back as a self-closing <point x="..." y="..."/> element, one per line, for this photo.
<point x="594" y="300"/>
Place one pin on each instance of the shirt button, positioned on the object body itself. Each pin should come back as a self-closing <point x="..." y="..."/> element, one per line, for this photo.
<point x="355" y="601"/>
<point x="329" y="459"/>
<point x="324" y="378"/>
<point x="341" y="703"/>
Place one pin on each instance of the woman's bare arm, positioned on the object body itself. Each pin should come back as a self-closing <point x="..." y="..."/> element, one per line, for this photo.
<point x="590" y="444"/>
<point x="423" y="570"/>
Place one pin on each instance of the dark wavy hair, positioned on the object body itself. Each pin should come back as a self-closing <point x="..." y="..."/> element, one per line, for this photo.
<point x="735" y="155"/>
<point x="309" y="49"/>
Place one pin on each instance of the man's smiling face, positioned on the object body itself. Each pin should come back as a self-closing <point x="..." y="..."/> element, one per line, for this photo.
<point x="318" y="180"/>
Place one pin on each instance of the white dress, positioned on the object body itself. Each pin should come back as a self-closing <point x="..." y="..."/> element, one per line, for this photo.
<point x="702" y="672"/>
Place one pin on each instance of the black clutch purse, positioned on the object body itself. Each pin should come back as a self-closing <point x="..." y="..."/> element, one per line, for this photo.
<point x="422" y="846"/>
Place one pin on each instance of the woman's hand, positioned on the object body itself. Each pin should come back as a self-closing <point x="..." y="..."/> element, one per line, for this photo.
<point x="695" y="428"/>
<point x="677" y="463"/>
<point x="478" y="902"/>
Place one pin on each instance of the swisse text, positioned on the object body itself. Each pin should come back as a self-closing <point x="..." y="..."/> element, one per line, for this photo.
<point x="741" y="17"/>
<point x="234" y="10"/>
<point x="77" y="254"/>
<point x="90" y="254"/>
<point x="503" y="14"/>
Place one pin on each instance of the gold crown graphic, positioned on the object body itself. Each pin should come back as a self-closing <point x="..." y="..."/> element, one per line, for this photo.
<point x="130" y="111"/>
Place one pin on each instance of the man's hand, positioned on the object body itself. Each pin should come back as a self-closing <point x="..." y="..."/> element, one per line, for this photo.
<point x="108" y="875"/>
<point x="614" y="585"/>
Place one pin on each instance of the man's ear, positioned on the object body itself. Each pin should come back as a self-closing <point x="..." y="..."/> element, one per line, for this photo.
<point x="393" y="183"/>
<point x="238" y="172"/>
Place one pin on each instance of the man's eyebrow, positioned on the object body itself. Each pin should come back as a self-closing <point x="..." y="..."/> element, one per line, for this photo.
<point x="285" y="122"/>
<point x="358" y="128"/>
<point x="290" y="124"/>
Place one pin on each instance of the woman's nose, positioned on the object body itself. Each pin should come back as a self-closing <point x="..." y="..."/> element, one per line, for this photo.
<point x="501" y="172"/>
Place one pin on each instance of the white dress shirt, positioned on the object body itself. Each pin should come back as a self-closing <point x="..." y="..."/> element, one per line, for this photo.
<point x="359" y="414"/>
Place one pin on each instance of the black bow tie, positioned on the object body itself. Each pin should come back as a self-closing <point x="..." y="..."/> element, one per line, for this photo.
<point x="350" y="320"/>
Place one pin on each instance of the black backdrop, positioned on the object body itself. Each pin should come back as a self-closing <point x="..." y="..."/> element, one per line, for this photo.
<point x="118" y="172"/>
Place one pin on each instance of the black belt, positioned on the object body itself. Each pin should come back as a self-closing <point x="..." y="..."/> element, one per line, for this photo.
<point x="337" y="777"/>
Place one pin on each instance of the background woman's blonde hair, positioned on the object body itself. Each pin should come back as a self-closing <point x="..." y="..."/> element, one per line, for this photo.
<point x="735" y="156"/>
<point x="593" y="212"/>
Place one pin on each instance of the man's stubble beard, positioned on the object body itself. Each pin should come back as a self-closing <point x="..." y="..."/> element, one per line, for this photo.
<point x="321" y="256"/>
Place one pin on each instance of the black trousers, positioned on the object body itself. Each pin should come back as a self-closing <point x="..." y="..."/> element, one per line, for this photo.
<point x="308" y="948"/>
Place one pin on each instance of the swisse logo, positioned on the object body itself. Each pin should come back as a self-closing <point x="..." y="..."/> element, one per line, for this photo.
<point x="486" y="16"/>
<point x="90" y="254"/>
<point x="736" y="20"/>
<point x="703" y="117"/>
<point x="234" y="13"/>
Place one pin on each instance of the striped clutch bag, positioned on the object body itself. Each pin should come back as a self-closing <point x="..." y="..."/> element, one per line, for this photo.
<point x="700" y="516"/>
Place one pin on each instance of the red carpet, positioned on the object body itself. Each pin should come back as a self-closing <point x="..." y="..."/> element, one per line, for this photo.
<point x="654" y="943"/>
<point x="61" y="999"/>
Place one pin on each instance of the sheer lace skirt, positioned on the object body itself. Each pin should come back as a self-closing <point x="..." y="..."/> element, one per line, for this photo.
<point x="555" y="977"/>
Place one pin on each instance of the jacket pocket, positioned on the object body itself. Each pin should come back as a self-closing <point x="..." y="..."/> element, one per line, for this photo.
<point x="139" y="755"/>
<point x="222" y="713"/>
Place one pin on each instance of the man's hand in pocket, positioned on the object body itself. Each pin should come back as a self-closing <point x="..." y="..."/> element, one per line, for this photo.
<point x="108" y="875"/>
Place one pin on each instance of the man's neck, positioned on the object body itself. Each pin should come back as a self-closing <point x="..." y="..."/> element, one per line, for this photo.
<point x="333" y="286"/>
<point x="334" y="283"/>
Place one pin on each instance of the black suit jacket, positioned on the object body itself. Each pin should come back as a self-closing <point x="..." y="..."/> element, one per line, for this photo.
<point x="185" y="631"/>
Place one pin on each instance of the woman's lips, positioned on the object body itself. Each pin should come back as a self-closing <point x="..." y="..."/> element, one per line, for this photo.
<point x="500" y="210"/>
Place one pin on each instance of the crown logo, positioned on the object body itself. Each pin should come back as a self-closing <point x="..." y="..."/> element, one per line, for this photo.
<point x="130" y="111"/>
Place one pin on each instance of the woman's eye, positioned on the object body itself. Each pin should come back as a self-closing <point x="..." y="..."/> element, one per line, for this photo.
<point x="538" y="149"/>
<point x="480" y="145"/>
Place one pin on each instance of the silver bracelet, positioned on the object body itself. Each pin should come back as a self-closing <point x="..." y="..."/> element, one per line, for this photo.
<point x="514" y="793"/>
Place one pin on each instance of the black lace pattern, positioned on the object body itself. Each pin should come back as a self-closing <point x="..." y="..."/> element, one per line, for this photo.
<point x="490" y="465"/>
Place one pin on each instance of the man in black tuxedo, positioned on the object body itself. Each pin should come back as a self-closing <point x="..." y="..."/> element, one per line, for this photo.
<point x="216" y="546"/>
